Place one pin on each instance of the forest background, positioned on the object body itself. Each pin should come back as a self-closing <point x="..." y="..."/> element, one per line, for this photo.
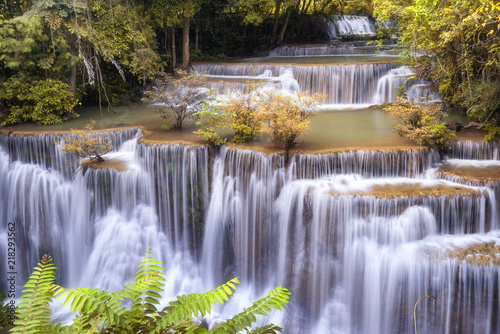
<point x="57" y="54"/>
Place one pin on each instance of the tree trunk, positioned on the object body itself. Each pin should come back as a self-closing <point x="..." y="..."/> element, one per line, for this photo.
<point x="165" y="45"/>
<point x="304" y="10"/>
<point x="72" y="80"/>
<point x="276" y="20"/>
<point x="174" y="56"/>
<point x="185" y="43"/>
<point x="196" y="37"/>
<point x="72" y="52"/>
<point x="282" y="32"/>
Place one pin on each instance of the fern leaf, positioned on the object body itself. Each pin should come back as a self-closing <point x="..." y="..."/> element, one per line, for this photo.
<point x="187" y="307"/>
<point x="92" y="303"/>
<point x="269" y="329"/>
<point x="33" y="313"/>
<point x="276" y="299"/>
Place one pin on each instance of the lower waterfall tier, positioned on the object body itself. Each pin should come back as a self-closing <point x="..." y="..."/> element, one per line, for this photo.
<point x="358" y="237"/>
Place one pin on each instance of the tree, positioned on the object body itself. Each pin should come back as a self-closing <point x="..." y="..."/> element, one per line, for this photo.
<point x="179" y="96"/>
<point x="87" y="145"/>
<point x="285" y="117"/>
<point x="463" y="45"/>
<point x="421" y="123"/>
<point x="101" y="311"/>
<point x="212" y="119"/>
<point x="243" y="109"/>
<point x="56" y="38"/>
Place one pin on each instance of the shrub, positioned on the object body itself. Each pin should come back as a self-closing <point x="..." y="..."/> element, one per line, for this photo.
<point x="46" y="102"/>
<point x="285" y="117"/>
<point x="243" y="109"/>
<point x="212" y="119"/>
<point x="421" y="122"/>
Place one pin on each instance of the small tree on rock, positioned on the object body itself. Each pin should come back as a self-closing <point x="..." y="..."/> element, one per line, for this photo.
<point x="87" y="145"/>
<point x="178" y="96"/>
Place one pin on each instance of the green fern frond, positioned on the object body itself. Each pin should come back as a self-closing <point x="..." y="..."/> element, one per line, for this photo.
<point x="148" y="284"/>
<point x="86" y="323"/>
<point x="33" y="312"/>
<point x="276" y="299"/>
<point x="269" y="329"/>
<point x="188" y="306"/>
<point x="145" y="293"/>
<point x="95" y="302"/>
<point x="60" y="329"/>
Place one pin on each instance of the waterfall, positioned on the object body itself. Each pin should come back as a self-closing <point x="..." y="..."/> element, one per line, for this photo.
<point x="417" y="91"/>
<point x="319" y="50"/>
<point x="357" y="236"/>
<point x="473" y="150"/>
<point x="369" y="259"/>
<point x="342" y="84"/>
<point x="354" y="25"/>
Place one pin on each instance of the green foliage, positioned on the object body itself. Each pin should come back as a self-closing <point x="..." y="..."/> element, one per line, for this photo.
<point x="401" y="92"/>
<point x="119" y="36"/>
<point x="462" y="40"/>
<point x="276" y="298"/>
<point x="482" y="101"/>
<point x="4" y="311"/>
<point x="421" y="123"/>
<point x="109" y="39"/>
<point x="100" y="311"/>
<point x="33" y="313"/>
<point x="212" y="119"/>
<point x="243" y="108"/>
<point x="46" y="102"/>
<point x="21" y="42"/>
<point x="493" y="131"/>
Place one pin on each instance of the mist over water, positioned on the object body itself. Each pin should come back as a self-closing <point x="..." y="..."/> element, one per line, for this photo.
<point x="355" y="260"/>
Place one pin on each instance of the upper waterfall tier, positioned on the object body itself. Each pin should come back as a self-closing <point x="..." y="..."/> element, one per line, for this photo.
<point x="354" y="26"/>
<point x="342" y="84"/>
<point x="330" y="50"/>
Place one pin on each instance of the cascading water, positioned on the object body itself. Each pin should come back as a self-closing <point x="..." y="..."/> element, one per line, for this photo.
<point x="354" y="25"/>
<point x="342" y="84"/>
<point x="415" y="89"/>
<point x="358" y="237"/>
<point x="319" y="50"/>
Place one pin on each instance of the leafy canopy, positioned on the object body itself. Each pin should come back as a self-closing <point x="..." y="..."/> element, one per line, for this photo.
<point x="46" y="102"/>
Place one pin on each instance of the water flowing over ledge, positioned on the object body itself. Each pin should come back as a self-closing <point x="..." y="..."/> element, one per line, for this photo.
<point x="356" y="262"/>
<point x="473" y="150"/>
<point x="342" y="84"/>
